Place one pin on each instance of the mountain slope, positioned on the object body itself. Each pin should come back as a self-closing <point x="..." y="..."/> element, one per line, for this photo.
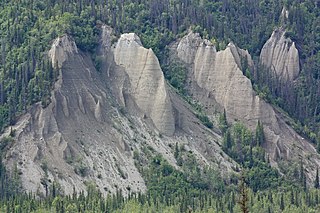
<point x="96" y="120"/>
<point x="218" y="77"/>
<point x="147" y="83"/>
<point x="281" y="56"/>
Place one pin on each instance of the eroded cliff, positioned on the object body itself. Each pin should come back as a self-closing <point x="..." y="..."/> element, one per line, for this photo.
<point x="280" y="55"/>
<point x="97" y="119"/>
<point x="220" y="75"/>
<point x="147" y="84"/>
<point x="72" y="141"/>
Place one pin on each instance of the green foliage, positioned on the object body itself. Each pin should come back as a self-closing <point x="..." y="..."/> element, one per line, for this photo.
<point x="243" y="147"/>
<point x="27" y="27"/>
<point x="259" y="136"/>
<point x="316" y="181"/>
<point x="176" y="74"/>
<point x="291" y="200"/>
<point x="172" y="186"/>
<point x="263" y="177"/>
<point x="223" y="123"/>
<point x="5" y="141"/>
<point x="243" y="199"/>
<point x="227" y="141"/>
<point x="205" y="120"/>
<point x="299" y="98"/>
<point x="169" y="190"/>
<point x="26" y="76"/>
<point x="199" y="112"/>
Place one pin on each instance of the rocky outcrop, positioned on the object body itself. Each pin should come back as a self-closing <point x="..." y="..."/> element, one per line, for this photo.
<point x="62" y="48"/>
<point x="72" y="141"/>
<point x="188" y="46"/>
<point x="220" y="74"/>
<point x="280" y="55"/>
<point x="284" y="16"/>
<point x="93" y="124"/>
<point x="147" y="84"/>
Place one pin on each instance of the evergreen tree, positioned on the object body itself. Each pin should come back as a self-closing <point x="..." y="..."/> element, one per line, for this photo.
<point x="259" y="137"/>
<point x="303" y="179"/>
<point x="243" y="194"/>
<point x="223" y="124"/>
<point x="227" y="141"/>
<point x="316" y="181"/>
<point x="176" y="151"/>
<point x="282" y="205"/>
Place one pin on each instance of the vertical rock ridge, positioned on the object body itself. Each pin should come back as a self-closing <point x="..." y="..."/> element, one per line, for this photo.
<point x="220" y="73"/>
<point x="62" y="48"/>
<point x="280" y="55"/>
<point x="147" y="84"/>
<point x="84" y="126"/>
<point x="187" y="47"/>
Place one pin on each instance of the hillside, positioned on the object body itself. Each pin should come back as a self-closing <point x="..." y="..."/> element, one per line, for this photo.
<point x="122" y="102"/>
<point x="96" y="121"/>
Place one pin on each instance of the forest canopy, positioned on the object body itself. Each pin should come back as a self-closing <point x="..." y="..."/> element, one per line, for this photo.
<point x="28" y="27"/>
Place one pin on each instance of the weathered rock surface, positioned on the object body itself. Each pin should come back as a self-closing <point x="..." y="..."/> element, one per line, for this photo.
<point x="147" y="84"/>
<point x="219" y="74"/>
<point x="95" y="121"/>
<point x="73" y="137"/>
<point x="62" y="48"/>
<point x="280" y="55"/>
<point x="188" y="46"/>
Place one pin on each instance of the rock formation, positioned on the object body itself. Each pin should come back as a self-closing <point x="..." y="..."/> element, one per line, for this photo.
<point x="220" y="74"/>
<point x="93" y="124"/>
<point x="72" y="137"/>
<point x="147" y="84"/>
<point x="62" y="48"/>
<point x="280" y="55"/>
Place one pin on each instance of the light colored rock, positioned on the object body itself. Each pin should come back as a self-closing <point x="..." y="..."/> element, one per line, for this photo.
<point x="147" y="84"/>
<point x="83" y="127"/>
<point x="188" y="46"/>
<point x="73" y="132"/>
<point x="219" y="73"/>
<point x="284" y="15"/>
<point x="61" y="49"/>
<point x="281" y="56"/>
<point x="106" y="37"/>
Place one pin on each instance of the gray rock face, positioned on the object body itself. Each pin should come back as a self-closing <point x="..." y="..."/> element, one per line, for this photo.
<point x="281" y="56"/>
<point x="147" y="84"/>
<point x="93" y="125"/>
<point x="73" y="137"/>
<point x="284" y="15"/>
<point x="188" y="46"/>
<point x="219" y="73"/>
<point x="62" y="48"/>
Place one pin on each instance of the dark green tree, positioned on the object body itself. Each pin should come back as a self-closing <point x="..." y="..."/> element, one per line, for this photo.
<point x="223" y="124"/>
<point x="282" y="205"/>
<point x="259" y="136"/>
<point x="316" y="181"/>
<point x="227" y="140"/>
<point x="176" y="151"/>
<point x="243" y="194"/>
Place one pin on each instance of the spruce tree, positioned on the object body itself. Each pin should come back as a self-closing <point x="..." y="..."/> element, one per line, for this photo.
<point x="176" y="151"/>
<point x="282" y="206"/>
<point x="243" y="199"/>
<point x="316" y="181"/>
<point x="259" y="137"/>
<point x="223" y="124"/>
<point x="227" y="141"/>
<point x="318" y="145"/>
